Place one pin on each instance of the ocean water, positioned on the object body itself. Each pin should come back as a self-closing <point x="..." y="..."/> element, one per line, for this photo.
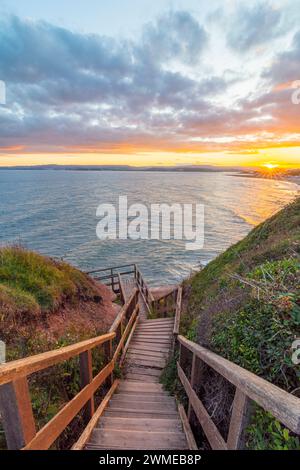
<point x="54" y="212"/>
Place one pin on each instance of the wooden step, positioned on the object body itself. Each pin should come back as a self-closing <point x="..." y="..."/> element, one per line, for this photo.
<point x="159" y="320"/>
<point x="129" y="413"/>
<point x="116" y="402"/>
<point x="140" y="387"/>
<point x="152" y="339"/>
<point x="142" y="352"/>
<point x="143" y="370"/>
<point x="143" y="397"/>
<point x="149" y="347"/>
<point x="143" y="392"/>
<point x="147" y="406"/>
<point x="144" y="327"/>
<point x="143" y="361"/>
<point x="140" y="424"/>
<point x="142" y="378"/>
<point x="136" y="439"/>
<point x="158" y="362"/>
<point x="157" y="335"/>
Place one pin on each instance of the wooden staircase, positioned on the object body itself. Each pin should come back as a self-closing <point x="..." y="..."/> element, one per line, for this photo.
<point x="141" y="415"/>
<point x="136" y="412"/>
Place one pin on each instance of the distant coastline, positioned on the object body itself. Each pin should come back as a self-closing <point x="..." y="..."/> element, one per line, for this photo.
<point x="182" y="168"/>
<point x="292" y="177"/>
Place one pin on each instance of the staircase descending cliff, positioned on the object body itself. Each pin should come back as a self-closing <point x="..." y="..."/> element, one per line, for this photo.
<point x="136" y="412"/>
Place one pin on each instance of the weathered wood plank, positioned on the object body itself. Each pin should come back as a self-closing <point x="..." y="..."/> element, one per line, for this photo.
<point x="126" y="332"/>
<point x="139" y="346"/>
<point x="133" y="439"/>
<point x="187" y="429"/>
<point x="132" y="301"/>
<point x="16" y="413"/>
<point x="178" y="311"/>
<point x="122" y="289"/>
<point x="214" y="437"/>
<point x="238" y="420"/>
<point x="154" y="406"/>
<point x="140" y="424"/>
<point x="196" y="374"/>
<point x="50" y="432"/>
<point x="95" y="419"/>
<point x="86" y="377"/>
<point x="128" y="341"/>
<point x="142" y="377"/>
<point x="283" y="405"/>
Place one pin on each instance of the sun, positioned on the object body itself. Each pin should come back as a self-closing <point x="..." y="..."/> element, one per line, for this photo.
<point x="270" y="166"/>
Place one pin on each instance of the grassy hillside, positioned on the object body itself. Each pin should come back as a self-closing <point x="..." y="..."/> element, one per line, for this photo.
<point x="31" y="284"/>
<point x="46" y="304"/>
<point x="245" y="305"/>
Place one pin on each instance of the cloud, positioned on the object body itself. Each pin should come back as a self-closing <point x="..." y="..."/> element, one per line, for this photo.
<point x="175" y="36"/>
<point x="286" y="66"/>
<point x="73" y="92"/>
<point x="254" y="25"/>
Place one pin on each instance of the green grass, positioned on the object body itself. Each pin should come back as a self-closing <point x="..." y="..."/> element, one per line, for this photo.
<point x="33" y="287"/>
<point x="245" y="305"/>
<point x="31" y="284"/>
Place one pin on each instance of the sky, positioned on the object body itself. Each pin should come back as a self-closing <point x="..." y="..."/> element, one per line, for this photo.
<point x="150" y="83"/>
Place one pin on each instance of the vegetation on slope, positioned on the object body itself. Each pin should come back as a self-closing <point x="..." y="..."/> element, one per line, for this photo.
<point x="245" y="305"/>
<point x="31" y="284"/>
<point x="46" y="304"/>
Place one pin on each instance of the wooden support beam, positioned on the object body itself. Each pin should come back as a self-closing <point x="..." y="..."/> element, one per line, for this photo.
<point x="210" y="429"/>
<point x="16" y="413"/>
<point x="79" y="445"/>
<point x="120" y="346"/>
<point x="52" y="430"/>
<point x="238" y="420"/>
<point x="187" y="429"/>
<point x="128" y="341"/>
<point x="195" y="378"/>
<point x="86" y="377"/>
<point x="108" y="352"/>
<point x="178" y="311"/>
<point x="282" y="405"/>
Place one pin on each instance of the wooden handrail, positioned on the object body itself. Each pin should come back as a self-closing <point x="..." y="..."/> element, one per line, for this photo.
<point x="143" y="288"/>
<point x="177" y="311"/>
<point x="282" y="405"/>
<point x="15" y="401"/>
<point x="52" y="430"/>
<point x="162" y="305"/>
<point x="23" y="367"/>
<point x="79" y="445"/>
<point x="122" y="289"/>
<point x="112" y="267"/>
<point x="126" y="333"/>
<point x="131" y="303"/>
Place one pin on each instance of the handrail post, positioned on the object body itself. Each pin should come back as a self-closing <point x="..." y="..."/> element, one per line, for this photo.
<point x="238" y="421"/>
<point x="112" y="280"/>
<point x="108" y="352"/>
<point x="196" y="374"/>
<point x="16" y="413"/>
<point x="86" y="377"/>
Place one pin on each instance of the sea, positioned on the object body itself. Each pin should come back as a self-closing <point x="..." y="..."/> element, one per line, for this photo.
<point x="55" y="213"/>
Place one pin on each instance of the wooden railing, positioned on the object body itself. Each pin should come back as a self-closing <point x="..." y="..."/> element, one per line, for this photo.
<point x="143" y="288"/>
<point x="166" y="305"/>
<point x="111" y="276"/>
<point x="15" y="402"/>
<point x="281" y="404"/>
